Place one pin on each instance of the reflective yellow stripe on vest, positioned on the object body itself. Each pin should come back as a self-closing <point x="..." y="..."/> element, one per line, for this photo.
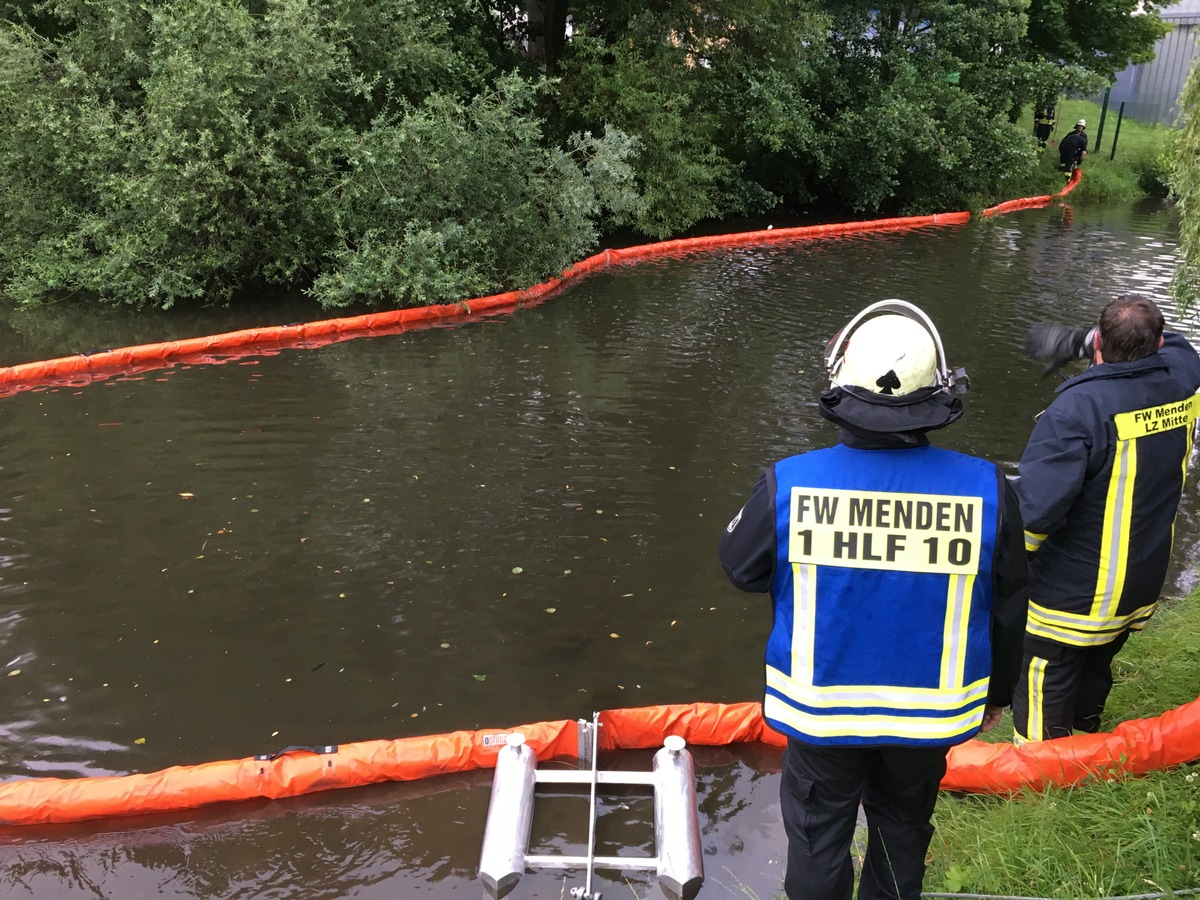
<point x="873" y="725"/>
<point x="951" y="692"/>
<point x="1118" y="506"/>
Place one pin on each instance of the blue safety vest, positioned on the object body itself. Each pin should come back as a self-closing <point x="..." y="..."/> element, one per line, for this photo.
<point x="882" y="596"/>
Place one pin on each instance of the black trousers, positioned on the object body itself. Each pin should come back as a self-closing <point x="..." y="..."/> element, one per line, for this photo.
<point x="820" y="793"/>
<point x="1062" y="688"/>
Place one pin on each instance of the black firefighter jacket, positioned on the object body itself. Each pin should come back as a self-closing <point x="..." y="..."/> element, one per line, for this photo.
<point x="1100" y="482"/>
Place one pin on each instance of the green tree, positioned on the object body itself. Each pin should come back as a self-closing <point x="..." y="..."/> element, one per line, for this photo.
<point x="1185" y="184"/>
<point x="716" y="94"/>
<point x="451" y="201"/>
<point x="159" y="151"/>
<point x="1100" y="37"/>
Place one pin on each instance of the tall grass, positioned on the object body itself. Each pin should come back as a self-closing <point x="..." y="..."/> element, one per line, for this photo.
<point x="1131" y="835"/>
<point x="1137" y="169"/>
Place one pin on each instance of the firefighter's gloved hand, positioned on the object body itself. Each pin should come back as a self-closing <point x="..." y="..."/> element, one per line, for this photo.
<point x="1057" y="345"/>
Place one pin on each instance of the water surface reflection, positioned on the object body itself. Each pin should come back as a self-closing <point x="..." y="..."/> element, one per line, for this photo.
<point x="476" y="527"/>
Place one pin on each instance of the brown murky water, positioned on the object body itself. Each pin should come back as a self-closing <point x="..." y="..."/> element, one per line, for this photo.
<point x="473" y="527"/>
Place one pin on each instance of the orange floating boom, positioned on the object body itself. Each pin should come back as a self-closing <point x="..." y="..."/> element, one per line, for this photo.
<point x="82" y="368"/>
<point x="1133" y="747"/>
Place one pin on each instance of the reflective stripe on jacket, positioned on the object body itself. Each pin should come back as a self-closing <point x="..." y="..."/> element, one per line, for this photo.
<point x="1100" y="482"/>
<point x="878" y="549"/>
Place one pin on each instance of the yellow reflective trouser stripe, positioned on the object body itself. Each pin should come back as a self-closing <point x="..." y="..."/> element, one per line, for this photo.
<point x="871" y="725"/>
<point x="1037" y="682"/>
<point x="1033" y="541"/>
<point x="1114" y="541"/>
<point x="1082" y="630"/>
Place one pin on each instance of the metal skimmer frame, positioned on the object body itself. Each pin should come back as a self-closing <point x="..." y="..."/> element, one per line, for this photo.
<point x="505" y="856"/>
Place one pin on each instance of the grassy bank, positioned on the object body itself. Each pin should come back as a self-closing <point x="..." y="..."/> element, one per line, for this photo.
<point x="1138" y="169"/>
<point x="1104" y="839"/>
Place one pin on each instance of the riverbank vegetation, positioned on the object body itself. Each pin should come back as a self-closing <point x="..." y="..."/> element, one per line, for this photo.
<point x="1129" y="836"/>
<point x="404" y="152"/>
<point x="1139" y="167"/>
<point x="1185" y="183"/>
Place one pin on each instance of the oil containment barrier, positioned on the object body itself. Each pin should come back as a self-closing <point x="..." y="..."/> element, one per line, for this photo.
<point x="1134" y="747"/>
<point x="84" y="368"/>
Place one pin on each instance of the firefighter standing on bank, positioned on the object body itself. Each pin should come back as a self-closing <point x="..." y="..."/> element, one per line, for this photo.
<point x="1099" y="486"/>
<point x="897" y="578"/>
<point x="1043" y="122"/>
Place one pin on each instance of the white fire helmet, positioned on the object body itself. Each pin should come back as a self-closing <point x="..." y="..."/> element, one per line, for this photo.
<point x="891" y="348"/>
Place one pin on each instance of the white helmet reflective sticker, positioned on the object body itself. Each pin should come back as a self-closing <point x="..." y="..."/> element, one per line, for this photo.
<point x="889" y="354"/>
<point x="891" y="348"/>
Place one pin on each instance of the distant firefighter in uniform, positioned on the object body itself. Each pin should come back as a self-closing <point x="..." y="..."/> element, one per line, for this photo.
<point x="898" y="586"/>
<point x="1072" y="150"/>
<point x="1099" y="485"/>
<point x="1043" y="122"/>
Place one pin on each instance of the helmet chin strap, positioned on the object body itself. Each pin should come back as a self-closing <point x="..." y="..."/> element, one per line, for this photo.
<point x="955" y="382"/>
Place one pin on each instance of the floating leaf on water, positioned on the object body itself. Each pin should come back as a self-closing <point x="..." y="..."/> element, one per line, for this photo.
<point x="15" y="672"/>
<point x="627" y="595"/>
<point x="186" y="495"/>
<point x="445" y="646"/>
<point x="673" y="621"/>
<point x="479" y="677"/>
<point x="140" y="741"/>
<point x="274" y="734"/>
<point x="613" y="634"/>
<point x="566" y="571"/>
<point x="551" y="609"/>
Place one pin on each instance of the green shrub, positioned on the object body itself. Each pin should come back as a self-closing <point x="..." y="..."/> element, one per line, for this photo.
<point x="178" y="150"/>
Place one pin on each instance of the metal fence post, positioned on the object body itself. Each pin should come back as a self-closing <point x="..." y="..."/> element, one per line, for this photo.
<point x="1103" y="113"/>
<point x="1117" y="133"/>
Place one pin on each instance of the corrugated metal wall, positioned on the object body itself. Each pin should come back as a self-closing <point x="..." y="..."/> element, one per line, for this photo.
<point x="1150" y="90"/>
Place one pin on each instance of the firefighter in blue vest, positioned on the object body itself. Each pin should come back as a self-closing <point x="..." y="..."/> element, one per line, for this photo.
<point x="897" y="577"/>
<point x="1099" y="486"/>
